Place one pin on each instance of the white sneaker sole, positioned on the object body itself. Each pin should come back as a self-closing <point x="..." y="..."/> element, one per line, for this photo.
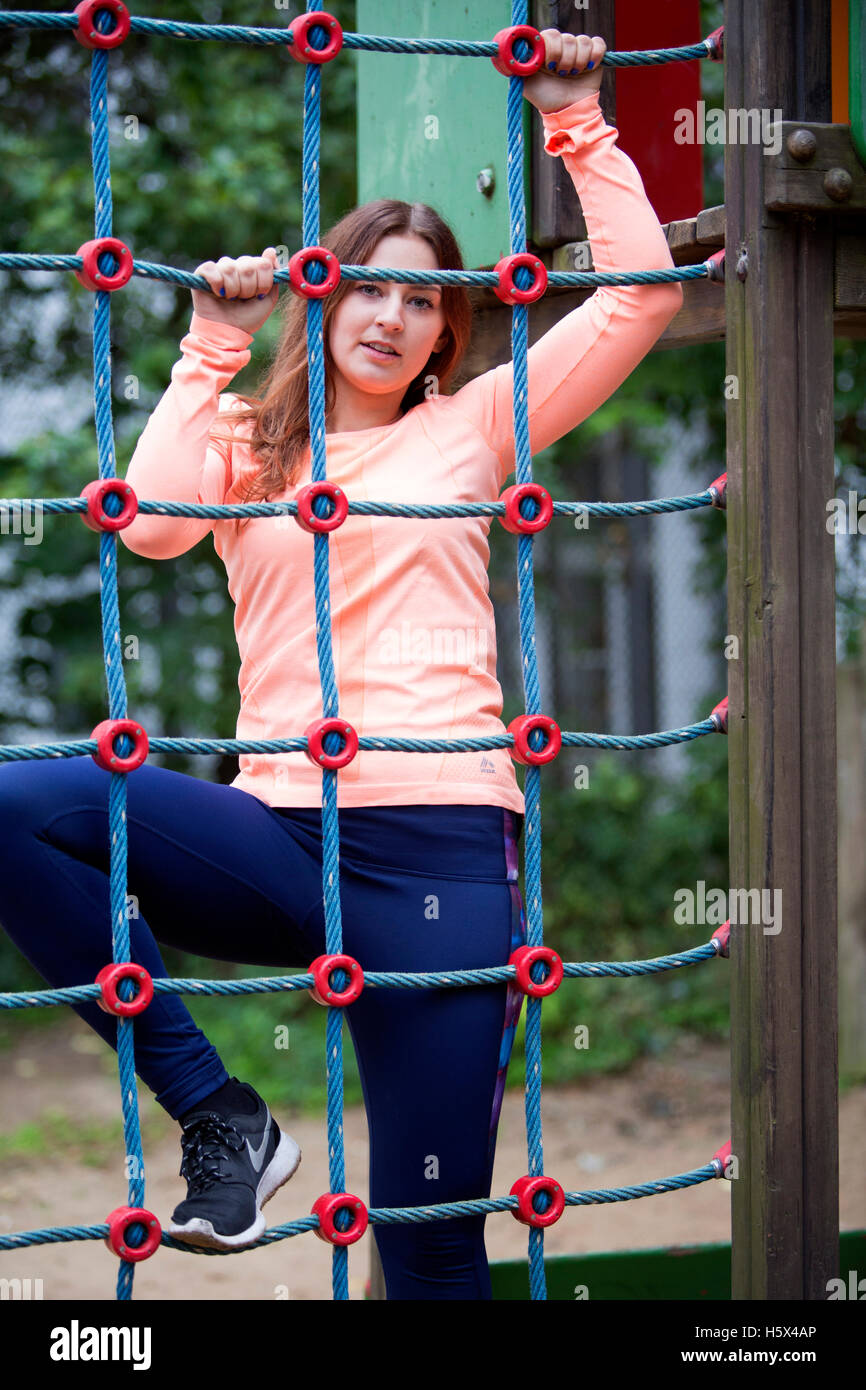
<point x="198" y="1231"/>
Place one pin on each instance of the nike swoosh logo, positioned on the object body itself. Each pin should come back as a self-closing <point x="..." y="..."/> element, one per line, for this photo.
<point x="257" y="1156"/>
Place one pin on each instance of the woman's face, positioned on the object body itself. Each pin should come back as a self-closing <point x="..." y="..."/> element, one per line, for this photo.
<point x="408" y="318"/>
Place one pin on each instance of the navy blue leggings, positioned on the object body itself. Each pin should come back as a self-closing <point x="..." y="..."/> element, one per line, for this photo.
<point x="220" y="873"/>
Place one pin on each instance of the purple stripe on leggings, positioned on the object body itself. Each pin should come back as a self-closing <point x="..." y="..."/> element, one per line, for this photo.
<point x="515" y="995"/>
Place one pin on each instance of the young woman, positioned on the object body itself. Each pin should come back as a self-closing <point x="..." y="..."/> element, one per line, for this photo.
<point x="428" y="842"/>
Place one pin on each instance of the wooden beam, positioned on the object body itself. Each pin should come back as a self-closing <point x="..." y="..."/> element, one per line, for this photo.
<point x="700" y="320"/>
<point x="781" y="725"/>
<point x="702" y="317"/>
<point x="849" y="315"/>
<point x="555" y="210"/>
<point x="816" y="170"/>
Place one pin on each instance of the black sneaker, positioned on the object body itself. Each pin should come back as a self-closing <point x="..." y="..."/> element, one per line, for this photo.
<point x="233" y="1167"/>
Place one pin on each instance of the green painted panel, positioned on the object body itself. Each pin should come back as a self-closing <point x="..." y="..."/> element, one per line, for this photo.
<point x="429" y="123"/>
<point x="691" y="1272"/>
<point x="684" y="1273"/>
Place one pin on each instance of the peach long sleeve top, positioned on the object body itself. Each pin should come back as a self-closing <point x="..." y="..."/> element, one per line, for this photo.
<point x="414" y="640"/>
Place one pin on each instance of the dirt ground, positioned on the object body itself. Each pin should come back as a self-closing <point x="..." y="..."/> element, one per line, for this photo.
<point x="662" y="1117"/>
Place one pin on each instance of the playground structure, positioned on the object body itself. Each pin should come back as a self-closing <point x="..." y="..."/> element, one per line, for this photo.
<point x="787" y="220"/>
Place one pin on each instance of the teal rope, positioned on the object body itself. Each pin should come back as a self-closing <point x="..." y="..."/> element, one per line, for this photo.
<point x="385" y="1216"/>
<point x="10" y="751"/>
<point x="153" y="270"/>
<point x="373" y="979"/>
<point x="221" y="510"/>
<point x="375" y="43"/>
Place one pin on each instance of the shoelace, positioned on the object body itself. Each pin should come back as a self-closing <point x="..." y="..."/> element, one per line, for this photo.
<point x="203" y="1145"/>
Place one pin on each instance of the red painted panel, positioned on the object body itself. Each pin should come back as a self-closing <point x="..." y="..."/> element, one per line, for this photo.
<point x="647" y="99"/>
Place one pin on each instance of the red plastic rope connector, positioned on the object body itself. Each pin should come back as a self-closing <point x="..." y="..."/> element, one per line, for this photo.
<point x="306" y="516"/>
<point x="323" y="992"/>
<point x="110" y="977"/>
<point x="326" y="1208"/>
<point x="524" y="1189"/>
<point x="722" y="938"/>
<point x="523" y="960"/>
<point x="716" y="44"/>
<point x="298" y="282"/>
<point x="522" y="727"/>
<point x="507" y="291"/>
<point x="91" y="277"/>
<point x="718" y="490"/>
<point x="716" y="266"/>
<point x="315" y="751"/>
<point x="513" y="519"/>
<point x="504" y="60"/>
<point x="96" y="517"/>
<point x="87" y="32"/>
<point x="105" y="734"/>
<point x="302" y="50"/>
<point x="720" y="1158"/>
<point x="719" y="716"/>
<point x="118" y="1223"/>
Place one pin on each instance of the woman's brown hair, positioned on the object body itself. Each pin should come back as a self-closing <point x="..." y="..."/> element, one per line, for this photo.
<point x="280" y="410"/>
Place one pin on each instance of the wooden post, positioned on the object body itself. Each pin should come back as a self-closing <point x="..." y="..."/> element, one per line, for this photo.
<point x="555" y="210"/>
<point x="781" y="728"/>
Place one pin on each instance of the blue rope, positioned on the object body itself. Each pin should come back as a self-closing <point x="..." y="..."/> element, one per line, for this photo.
<point x="529" y="662"/>
<point x="117" y="701"/>
<point x="111" y="644"/>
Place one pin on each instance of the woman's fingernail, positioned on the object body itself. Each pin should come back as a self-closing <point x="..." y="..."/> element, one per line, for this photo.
<point x="552" y="67"/>
<point x="222" y="292"/>
<point x="574" y="72"/>
<point x="260" y="296"/>
<point x="590" y="65"/>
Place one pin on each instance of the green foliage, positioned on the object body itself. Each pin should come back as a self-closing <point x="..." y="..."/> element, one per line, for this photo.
<point x="850" y="417"/>
<point x="251" y="1032"/>
<point x="78" y="1139"/>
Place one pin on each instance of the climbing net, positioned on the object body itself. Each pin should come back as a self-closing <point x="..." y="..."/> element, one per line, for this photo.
<point x="120" y="744"/>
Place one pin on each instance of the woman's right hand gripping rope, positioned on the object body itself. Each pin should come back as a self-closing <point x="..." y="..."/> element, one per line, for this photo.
<point x="243" y="291"/>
